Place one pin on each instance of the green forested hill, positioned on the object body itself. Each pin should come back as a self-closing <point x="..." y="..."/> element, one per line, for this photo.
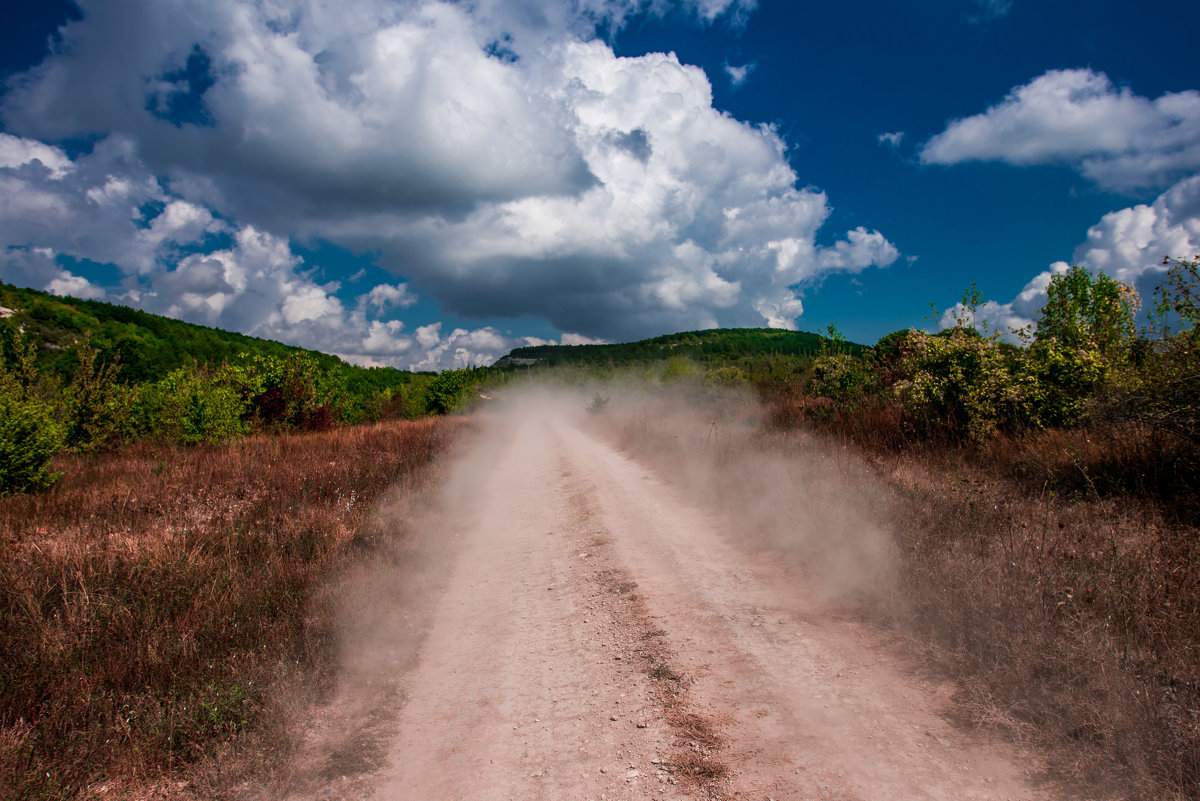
<point x="717" y="344"/>
<point x="147" y="347"/>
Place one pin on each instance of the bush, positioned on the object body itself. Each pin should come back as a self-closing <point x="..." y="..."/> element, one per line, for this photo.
<point x="29" y="437"/>
<point x="291" y="393"/>
<point x="962" y="382"/>
<point x="95" y="405"/>
<point x="410" y="400"/>
<point x="842" y="378"/>
<point x="192" y="405"/>
<point x="452" y="390"/>
<point x="29" y="433"/>
<point x="679" y="368"/>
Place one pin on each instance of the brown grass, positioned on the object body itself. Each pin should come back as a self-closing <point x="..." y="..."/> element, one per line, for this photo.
<point x="1150" y="465"/>
<point x="1071" y="621"/>
<point x="154" y="602"/>
<point x="1057" y="572"/>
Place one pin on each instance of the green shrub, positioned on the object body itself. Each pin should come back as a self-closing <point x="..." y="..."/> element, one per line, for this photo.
<point x="410" y="400"/>
<point x="29" y="432"/>
<point x="841" y="377"/>
<point x="726" y="376"/>
<point x="96" y="407"/>
<point x="452" y="390"/>
<point x="29" y="437"/>
<point x="291" y="393"/>
<point x="193" y="405"/>
<point x="679" y="368"/>
<point x="356" y="410"/>
<point x="1064" y="381"/>
<point x="961" y="382"/>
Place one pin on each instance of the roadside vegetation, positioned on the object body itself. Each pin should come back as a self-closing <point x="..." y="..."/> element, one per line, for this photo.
<point x="160" y="603"/>
<point x="1051" y="519"/>
<point x="175" y="503"/>
<point x="67" y="385"/>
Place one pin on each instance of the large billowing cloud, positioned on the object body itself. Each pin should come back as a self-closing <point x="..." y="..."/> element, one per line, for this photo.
<point x="494" y="154"/>
<point x="1078" y="117"/>
<point x="1131" y="243"/>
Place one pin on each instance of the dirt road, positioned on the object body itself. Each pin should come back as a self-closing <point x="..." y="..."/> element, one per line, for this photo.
<point x="598" y="637"/>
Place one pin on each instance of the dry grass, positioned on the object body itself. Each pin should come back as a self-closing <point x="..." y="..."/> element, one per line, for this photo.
<point x="1057" y="572"/>
<point x="154" y="601"/>
<point x="1071" y="621"/>
<point x="1123" y="460"/>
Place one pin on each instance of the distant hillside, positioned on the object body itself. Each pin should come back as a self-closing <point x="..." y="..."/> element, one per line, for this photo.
<point x="149" y="346"/>
<point x="716" y="344"/>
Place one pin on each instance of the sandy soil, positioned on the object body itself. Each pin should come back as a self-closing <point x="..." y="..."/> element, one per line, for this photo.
<point x="595" y="636"/>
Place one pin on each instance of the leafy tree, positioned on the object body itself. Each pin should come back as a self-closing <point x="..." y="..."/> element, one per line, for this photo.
<point x="1085" y="334"/>
<point x="96" y="407"/>
<point x="1179" y="295"/>
<point x="452" y="390"/>
<point x="1089" y="311"/>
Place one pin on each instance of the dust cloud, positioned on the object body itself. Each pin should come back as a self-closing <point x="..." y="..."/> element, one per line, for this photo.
<point x="808" y="499"/>
<point x="384" y="604"/>
<point x="812" y="502"/>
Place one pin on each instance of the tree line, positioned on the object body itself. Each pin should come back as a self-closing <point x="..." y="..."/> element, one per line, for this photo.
<point x="87" y="376"/>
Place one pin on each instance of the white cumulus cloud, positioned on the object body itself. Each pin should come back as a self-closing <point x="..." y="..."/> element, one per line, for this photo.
<point x="17" y="152"/>
<point x="74" y="285"/>
<point x="1078" y="117"/>
<point x="892" y="139"/>
<point x="385" y="295"/>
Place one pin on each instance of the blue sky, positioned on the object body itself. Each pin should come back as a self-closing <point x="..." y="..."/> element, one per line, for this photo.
<point x="428" y="184"/>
